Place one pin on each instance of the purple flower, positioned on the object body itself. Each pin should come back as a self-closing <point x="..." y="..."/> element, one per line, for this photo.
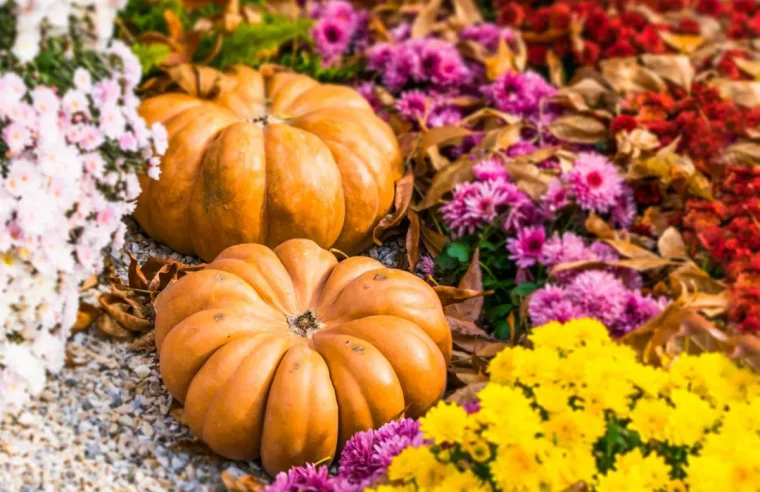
<point x="401" y="32"/>
<point x="638" y="310"/>
<point x="442" y="115"/>
<point x="595" y="182"/>
<point x="476" y="204"/>
<point x="567" y="248"/>
<point x="624" y="210"/>
<point x="426" y="266"/>
<point x="412" y="105"/>
<point x="603" y="251"/>
<point x="472" y="407"/>
<point x="306" y="478"/>
<point x="367" y="90"/>
<point x="489" y="169"/>
<point x="557" y="196"/>
<point x="523" y="147"/>
<point x="598" y="294"/>
<point x="519" y="93"/>
<point x="487" y="34"/>
<point x="527" y="247"/>
<point x="551" y="304"/>
<point x="379" y="55"/>
<point x="331" y="37"/>
<point x="367" y="454"/>
<point x="440" y="63"/>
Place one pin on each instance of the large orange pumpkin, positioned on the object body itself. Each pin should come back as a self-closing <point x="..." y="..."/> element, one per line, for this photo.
<point x="267" y="160"/>
<point x="286" y="354"/>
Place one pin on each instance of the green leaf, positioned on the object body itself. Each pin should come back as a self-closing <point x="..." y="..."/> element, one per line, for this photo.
<point x="459" y="250"/>
<point x="446" y="262"/>
<point x="499" y="312"/>
<point x="142" y="16"/>
<point x="525" y="289"/>
<point x="150" y="55"/>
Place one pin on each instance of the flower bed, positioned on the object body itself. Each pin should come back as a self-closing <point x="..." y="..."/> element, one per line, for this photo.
<point x="72" y="143"/>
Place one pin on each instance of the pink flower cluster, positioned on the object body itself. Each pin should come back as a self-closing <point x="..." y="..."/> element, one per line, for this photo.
<point x="492" y="199"/>
<point x="339" y="29"/>
<point x="611" y="295"/>
<point x="428" y="62"/>
<point x="364" y="459"/>
<point x="67" y="178"/>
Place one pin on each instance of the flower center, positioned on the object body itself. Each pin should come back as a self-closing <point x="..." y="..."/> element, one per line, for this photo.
<point x="332" y="34"/>
<point x="594" y="179"/>
<point x="304" y="324"/>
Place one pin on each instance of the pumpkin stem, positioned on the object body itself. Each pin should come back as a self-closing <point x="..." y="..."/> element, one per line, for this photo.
<point x="305" y="324"/>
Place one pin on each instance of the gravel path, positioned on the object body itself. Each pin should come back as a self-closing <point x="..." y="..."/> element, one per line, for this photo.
<point x="106" y="422"/>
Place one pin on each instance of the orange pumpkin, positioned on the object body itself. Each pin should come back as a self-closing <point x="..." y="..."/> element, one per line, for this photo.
<point x="286" y="353"/>
<point x="267" y="160"/>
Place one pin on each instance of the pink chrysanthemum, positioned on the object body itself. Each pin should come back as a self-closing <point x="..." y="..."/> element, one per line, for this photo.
<point x="367" y="90"/>
<point x="595" y="182"/>
<point x="519" y="93"/>
<point x="521" y="148"/>
<point x="426" y="266"/>
<point x="412" y="105"/>
<point x="599" y="295"/>
<point x="527" y="247"/>
<point x="557" y="197"/>
<point x="564" y="249"/>
<point x="331" y="37"/>
<point x="487" y="34"/>
<point x="638" y="310"/>
<point x="443" y="115"/>
<point x="490" y="168"/>
<point x="624" y="210"/>
<point x="551" y="304"/>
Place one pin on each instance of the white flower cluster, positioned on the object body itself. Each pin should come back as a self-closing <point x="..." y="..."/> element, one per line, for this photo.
<point x="31" y="15"/>
<point x="67" y="177"/>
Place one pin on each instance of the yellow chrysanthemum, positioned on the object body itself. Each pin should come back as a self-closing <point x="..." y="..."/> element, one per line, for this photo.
<point x="446" y="422"/>
<point x="508" y="415"/>
<point x="552" y="398"/>
<point x="689" y="419"/>
<point x="635" y="472"/>
<point x="565" y="467"/>
<point x="537" y="366"/>
<point x="516" y="468"/>
<point x="462" y="481"/>
<point x="589" y="331"/>
<point x="393" y="488"/>
<point x="573" y="428"/>
<point x="418" y="465"/>
<point x="650" y="418"/>
<point x="728" y="461"/>
<point x="477" y="447"/>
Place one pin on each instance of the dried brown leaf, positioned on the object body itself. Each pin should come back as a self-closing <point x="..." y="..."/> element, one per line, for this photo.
<point x="671" y="244"/>
<point x="742" y="92"/>
<point x="465" y="327"/>
<point x="630" y="250"/>
<point x="145" y="342"/>
<point x="501" y="138"/>
<point x="599" y="227"/>
<point x="742" y="152"/>
<point x="413" y="240"/>
<point x="401" y="202"/>
<point x="89" y="283"/>
<point x="626" y="75"/>
<point x="135" y="275"/>
<point x="165" y="276"/>
<point x="86" y="315"/>
<point x="502" y="61"/>
<point x="466" y="394"/>
<point x="439" y="136"/>
<point x="556" y="70"/>
<point x="244" y="483"/>
<point x="472" y="282"/>
<point x="445" y="180"/>
<point x="426" y="19"/>
<point x="677" y="69"/>
<point x="123" y="310"/>
<point x="680" y="42"/>
<point x="467" y="12"/>
<point x="108" y="326"/>
<point x="433" y="240"/>
<point x="750" y="67"/>
<point x="578" y="128"/>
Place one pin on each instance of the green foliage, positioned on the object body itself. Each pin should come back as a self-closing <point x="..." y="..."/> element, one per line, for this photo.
<point x="311" y="64"/>
<point x="142" y="16"/>
<point x="248" y="43"/>
<point x="150" y="55"/>
<point x="487" y="9"/>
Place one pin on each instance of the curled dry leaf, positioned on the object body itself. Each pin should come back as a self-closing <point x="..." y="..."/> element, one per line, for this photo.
<point x="146" y="342"/>
<point x="106" y="325"/>
<point x="433" y="240"/>
<point x="413" y="240"/>
<point x="467" y="12"/>
<point x="472" y="280"/>
<point x="242" y="483"/>
<point x="127" y="312"/>
<point x="677" y="69"/>
<point x="556" y="71"/>
<point x="86" y="315"/>
<point x="445" y="180"/>
<point x="466" y="394"/>
<point x="401" y="202"/>
<point x="452" y="296"/>
<point x="577" y="128"/>
<point x="632" y="144"/>
<point x="439" y="136"/>
<point x="743" y="93"/>
<point x="599" y="227"/>
<point x="502" y="61"/>
<point x="426" y="19"/>
<point x="465" y="327"/>
<point x="630" y="250"/>
<point x="500" y="138"/>
<point x="680" y="42"/>
<point x="671" y="244"/>
<point x="750" y="67"/>
<point x="626" y="75"/>
<point x="742" y="152"/>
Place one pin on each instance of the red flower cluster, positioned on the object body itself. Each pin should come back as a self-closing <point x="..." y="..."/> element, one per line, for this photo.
<point x="611" y="29"/>
<point x="705" y="123"/>
<point x="729" y="229"/>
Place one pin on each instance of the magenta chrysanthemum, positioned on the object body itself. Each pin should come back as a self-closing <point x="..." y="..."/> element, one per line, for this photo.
<point x="487" y="34"/>
<point x="520" y="148"/>
<point x="624" y="210"/>
<point x="638" y="310"/>
<point x="443" y="115"/>
<point x="412" y="105"/>
<point x="564" y="249"/>
<point x="490" y="168"/>
<point x="595" y="182"/>
<point x="557" y="196"/>
<point x="527" y="247"/>
<point x="331" y="37"/>
<point x="551" y="304"/>
<point x="599" y="295"/>
<point x="426" y="266"/>
<point x="476" y="204"/>
<point x="519" y="93"/>
<point x="307" y="479"/>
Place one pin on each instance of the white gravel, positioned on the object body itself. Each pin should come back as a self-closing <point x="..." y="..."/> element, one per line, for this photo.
<point x="106" y="422"/>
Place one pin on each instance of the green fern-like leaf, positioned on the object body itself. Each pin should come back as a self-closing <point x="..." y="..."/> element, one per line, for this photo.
<point x="141" y="16"/>
<point x="249" y="43"/>
<point x="150" y="55"/>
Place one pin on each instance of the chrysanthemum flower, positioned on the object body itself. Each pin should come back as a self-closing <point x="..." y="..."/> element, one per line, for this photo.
<point x="526" y="249"/>
<point x="595" y="182"/>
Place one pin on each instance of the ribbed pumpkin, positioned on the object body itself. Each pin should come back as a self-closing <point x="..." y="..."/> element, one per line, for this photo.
<point x="286" y="353"/>
<point x="267" y="160"/>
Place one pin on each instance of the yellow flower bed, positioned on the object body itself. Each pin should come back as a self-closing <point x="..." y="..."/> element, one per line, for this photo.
<point x="580" y="407"/>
